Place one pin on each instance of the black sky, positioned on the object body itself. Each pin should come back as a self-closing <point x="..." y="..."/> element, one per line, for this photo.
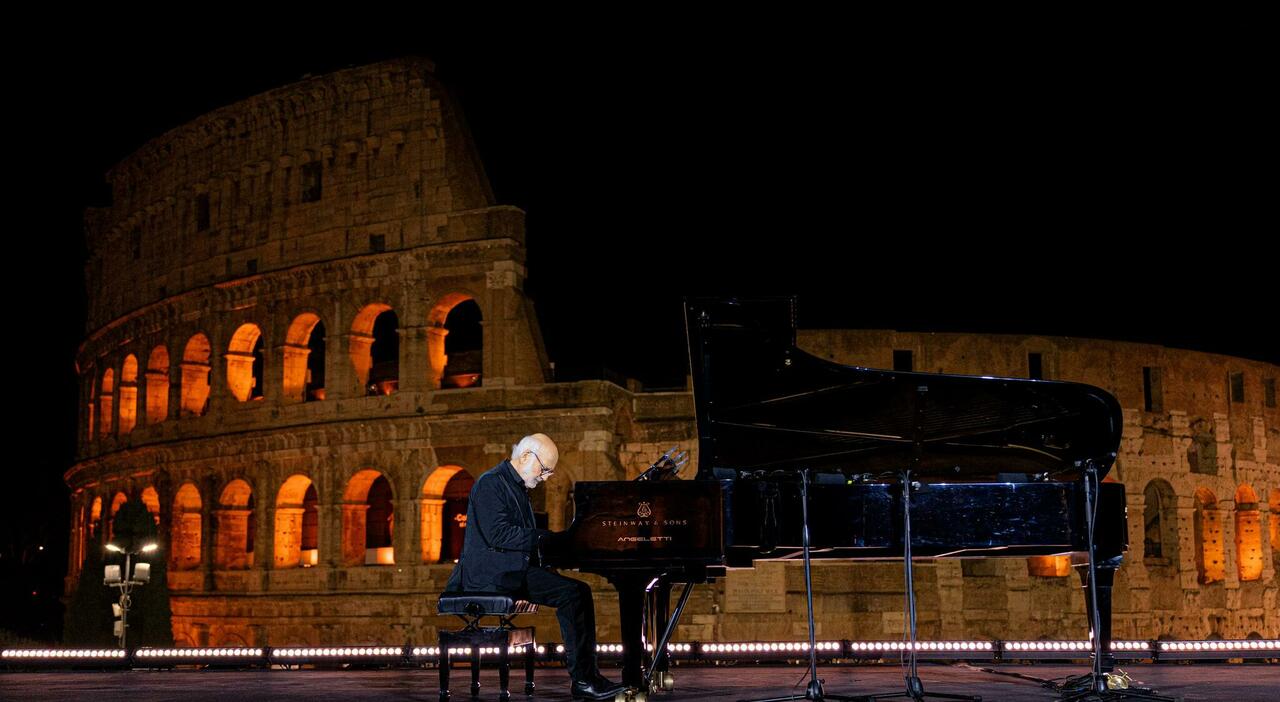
<point x="989" y="178"/>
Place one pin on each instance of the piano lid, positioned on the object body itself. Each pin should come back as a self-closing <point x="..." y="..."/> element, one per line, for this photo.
<point x="762" y="403"/>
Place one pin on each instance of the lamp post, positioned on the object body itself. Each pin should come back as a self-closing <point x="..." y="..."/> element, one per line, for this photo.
<point x="134" y="575"/>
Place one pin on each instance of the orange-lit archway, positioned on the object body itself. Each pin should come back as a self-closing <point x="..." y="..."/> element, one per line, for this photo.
<point x="128" y="394"/>
<point x="116" y="503"/>
<point x="195" y="376"/>
<point x="1248" y="534"/>
<point x="1210" y="546"/>
<point x="186" y="530"/>
<point x="157" y="380"/>
<point x="374" y="348"/>
<point x="367" y="520"/>
<point x="304" y="351"/>
<point x="296" y="528"/>
<point x="444" y="513"/>
<point x="234" y="523"/>
<point x="106" y="401"/>
<point x="151" y="499"/>
<point x="455" y="342"/>
<point x="245" y="363"/>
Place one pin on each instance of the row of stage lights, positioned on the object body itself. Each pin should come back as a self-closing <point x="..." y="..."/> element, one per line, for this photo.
<point x="750" y="650"/>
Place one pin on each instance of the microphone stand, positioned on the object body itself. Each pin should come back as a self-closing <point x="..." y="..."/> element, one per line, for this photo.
<point x="915" y="688"/>
<point x="814" y="690"/>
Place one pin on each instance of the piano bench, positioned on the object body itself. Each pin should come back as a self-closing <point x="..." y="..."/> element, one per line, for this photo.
<point x="472" y="608"/>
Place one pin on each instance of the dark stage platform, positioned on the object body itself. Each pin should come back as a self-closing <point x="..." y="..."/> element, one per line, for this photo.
<point x="1200" y="681"/>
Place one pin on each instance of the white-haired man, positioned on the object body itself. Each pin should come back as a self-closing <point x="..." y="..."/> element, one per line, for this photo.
<point x="500" y="538"/>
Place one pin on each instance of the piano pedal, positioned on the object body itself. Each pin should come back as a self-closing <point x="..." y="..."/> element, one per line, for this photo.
<point x="631" y="694"/>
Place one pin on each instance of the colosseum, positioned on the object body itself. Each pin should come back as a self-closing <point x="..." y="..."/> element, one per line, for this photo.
<point x="307" y="334"/>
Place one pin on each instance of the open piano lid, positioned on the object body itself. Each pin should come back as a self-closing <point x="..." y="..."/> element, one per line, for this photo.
<point x="762" y="403"/>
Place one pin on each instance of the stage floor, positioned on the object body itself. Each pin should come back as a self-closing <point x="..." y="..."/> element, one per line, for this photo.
<point x="1200" y="681"/>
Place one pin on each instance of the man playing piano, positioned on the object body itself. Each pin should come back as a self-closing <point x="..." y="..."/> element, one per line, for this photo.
<point x="500" y="540"/>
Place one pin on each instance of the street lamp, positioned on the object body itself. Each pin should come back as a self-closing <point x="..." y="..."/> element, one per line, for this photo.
<point x="138" y="574"/>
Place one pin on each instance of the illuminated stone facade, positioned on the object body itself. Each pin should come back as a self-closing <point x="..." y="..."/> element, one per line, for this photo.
<point x="307" y="335"/>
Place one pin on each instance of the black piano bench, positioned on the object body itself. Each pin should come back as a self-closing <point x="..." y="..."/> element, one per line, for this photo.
<point x="472" y="607"/>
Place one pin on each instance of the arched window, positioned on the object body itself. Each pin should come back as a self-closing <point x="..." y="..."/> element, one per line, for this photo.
<point x="367" y="518"/>
<point x="233" y="548"/>
<point x="116" y="503"/>
<point x="91" y="409"/>
<point x="95" y="518"/>
<point x="1160" y="522"/>
<point x="158" y="385"/>
<point x="444" y="513"/>
<point x="375" y="349"/>
<point x="106" y="399"/>
<point x="245" y="363"/>
<point x="296" y="522"/>
<point x="1274" y="501"/>
<point x="151" y="499"/>
<point x="1210" y="547"/>
<point x="186" y="529"/>
<point x="304" y="359"/>
<point x="1248" y="534"/>
<point x="128" y="394"/>
<point x="455" y="342"/>
<point x="195" y="376"/>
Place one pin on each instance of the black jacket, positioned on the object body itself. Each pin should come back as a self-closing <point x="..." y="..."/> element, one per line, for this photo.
<point x="500" y="534"/>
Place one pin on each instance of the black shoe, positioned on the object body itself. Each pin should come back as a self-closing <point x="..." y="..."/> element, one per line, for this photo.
<point x="598" y="688"/>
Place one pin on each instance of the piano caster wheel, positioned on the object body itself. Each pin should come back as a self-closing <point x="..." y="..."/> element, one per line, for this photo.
<point x="504" y="696"/>
<point x="631" y="695"/>
<point x="475" y="690"/>
<point x="666" y="682"/>
<point x="528" y="688"/>
<point x="444" y="696"/>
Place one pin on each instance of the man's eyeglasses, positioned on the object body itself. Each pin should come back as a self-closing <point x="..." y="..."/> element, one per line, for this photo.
<point x="545" y="470"/>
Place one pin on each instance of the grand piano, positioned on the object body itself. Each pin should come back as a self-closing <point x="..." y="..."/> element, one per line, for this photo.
<point x="997" y="467"/>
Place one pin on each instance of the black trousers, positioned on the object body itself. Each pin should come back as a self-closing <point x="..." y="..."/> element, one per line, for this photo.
<point x="576" y="612"/>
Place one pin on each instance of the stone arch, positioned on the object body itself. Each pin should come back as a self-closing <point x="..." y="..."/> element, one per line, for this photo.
<point x="1210" y="547"/>
<point x="374" y="348"/>
<point x="95" y="517"/>
<point x="367" y="518"/>
<point x="186" y="529"/>
<point x="445" y="495"/>
<point x="91" y="407"/>
<point x="1273" y="501"/>
<point x="1248" y="534"/>
<point x="245" y="363"/>
<point x="234" y="526"/>
<point x="157" y="385"/>
<point x="106" y="400"/>
<point x="151" y="499"/>
<point x="1160" y="521"/>
<point x="196" y="366"/>
<point x="455" y="342"/>
<point x="128" y="394"/>
<point x="304" y="352"/>
<point x="297" y="523"/>
<point x="116" y="503"/>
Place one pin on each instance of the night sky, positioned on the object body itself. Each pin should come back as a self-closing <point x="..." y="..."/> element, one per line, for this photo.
<point x="1062" y="182"/>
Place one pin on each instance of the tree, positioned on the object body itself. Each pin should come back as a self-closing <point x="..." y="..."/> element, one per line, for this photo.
<point x="89" y="617"/>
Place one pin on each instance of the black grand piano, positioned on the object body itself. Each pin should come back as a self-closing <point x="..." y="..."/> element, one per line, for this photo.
<point x="998" y="467"/>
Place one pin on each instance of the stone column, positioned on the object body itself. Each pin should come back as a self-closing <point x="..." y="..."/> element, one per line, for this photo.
<point x="432" y="525"/>
<point x="416" y="372"/>
<point x="232" y="533"/>
<point x="404" y="516"/>
<point x="287" y="544"/>
<point x="293" y="363"/>
<point x="353" y="534"/>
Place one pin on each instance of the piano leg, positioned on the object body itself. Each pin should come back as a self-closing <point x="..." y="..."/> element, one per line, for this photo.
<point x="1106" y="577"/>
<point x="661" y="613"/>
<point x="631" y="594"/>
